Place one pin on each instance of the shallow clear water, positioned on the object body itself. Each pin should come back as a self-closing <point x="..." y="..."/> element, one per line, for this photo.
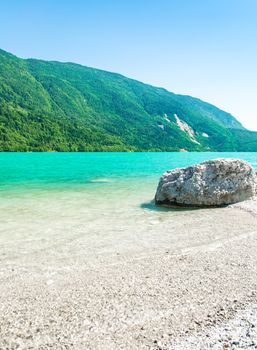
<point x="101" y="200"/>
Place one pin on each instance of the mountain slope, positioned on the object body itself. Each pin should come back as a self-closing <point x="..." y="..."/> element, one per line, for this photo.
<point x="53" y="106"/>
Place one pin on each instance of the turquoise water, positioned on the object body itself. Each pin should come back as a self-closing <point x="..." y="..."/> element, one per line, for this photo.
<point x="24" y="172"/>
<point x="98" y="204"/>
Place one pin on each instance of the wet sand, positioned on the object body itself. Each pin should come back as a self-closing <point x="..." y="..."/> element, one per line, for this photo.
<point x="124" y="279"/>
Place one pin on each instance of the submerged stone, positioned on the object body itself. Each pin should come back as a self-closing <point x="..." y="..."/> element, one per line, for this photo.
<point x="216" y="182"/>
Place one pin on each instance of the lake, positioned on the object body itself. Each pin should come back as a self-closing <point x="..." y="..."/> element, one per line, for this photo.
<point x="22" y="173"/>
<point x="98" y="181"/>
<point x="101" y="196"/>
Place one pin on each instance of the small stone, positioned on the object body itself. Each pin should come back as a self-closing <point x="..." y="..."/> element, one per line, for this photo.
<point x="235" y="342"/>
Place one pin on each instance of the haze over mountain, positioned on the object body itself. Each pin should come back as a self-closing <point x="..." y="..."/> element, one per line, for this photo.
<point x="53" y="106"/>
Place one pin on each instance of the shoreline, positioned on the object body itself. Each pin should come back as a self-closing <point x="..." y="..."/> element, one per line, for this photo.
<point x="139" y="290"/>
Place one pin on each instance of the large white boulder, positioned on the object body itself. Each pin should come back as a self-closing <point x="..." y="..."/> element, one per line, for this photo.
<point x="212" y="183"/>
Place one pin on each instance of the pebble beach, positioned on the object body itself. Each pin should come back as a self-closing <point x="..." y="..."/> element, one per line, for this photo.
<point x="199" y="296"/>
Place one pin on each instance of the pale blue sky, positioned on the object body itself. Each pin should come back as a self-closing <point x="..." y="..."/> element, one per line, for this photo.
<point x="204" y="48"/>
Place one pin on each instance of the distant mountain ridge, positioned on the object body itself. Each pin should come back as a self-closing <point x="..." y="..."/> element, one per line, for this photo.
<point x="54" y="106"/>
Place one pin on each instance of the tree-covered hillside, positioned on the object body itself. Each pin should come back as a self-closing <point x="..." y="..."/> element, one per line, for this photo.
<point x="53" y="106"/>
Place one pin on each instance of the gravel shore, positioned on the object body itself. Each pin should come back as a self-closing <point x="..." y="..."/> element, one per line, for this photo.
<point x="198" y="291"/>
<point x="239" y="332"/>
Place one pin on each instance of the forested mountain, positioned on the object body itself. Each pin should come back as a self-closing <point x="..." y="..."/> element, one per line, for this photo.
<point x="53" y="106"/>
